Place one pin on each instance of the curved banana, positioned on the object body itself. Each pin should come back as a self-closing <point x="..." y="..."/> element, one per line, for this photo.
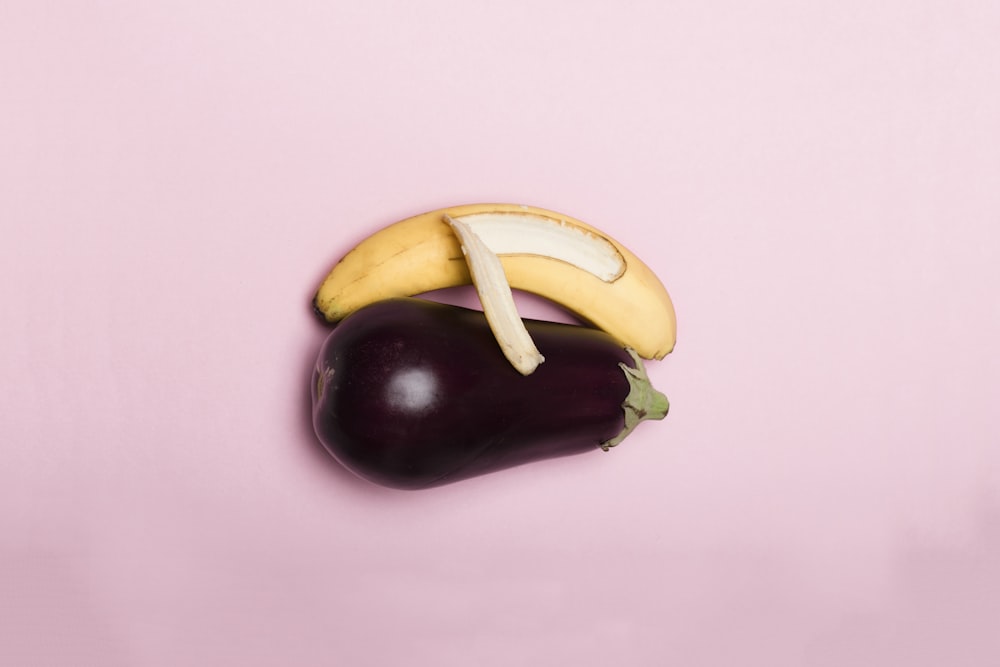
<point x="542" y="252"/>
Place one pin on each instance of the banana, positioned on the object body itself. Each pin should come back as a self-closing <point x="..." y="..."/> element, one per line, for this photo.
<point x="543" y="252"/>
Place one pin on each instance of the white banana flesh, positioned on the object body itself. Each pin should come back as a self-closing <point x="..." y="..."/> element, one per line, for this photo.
<point x="543" y="252"/>
<point x="507" y="234"/>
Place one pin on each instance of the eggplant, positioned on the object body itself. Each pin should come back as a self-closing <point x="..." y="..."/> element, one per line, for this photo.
<point x="412" y="394"/>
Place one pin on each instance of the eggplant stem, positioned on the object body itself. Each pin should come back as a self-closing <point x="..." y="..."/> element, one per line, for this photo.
<point x="643" y="401"/>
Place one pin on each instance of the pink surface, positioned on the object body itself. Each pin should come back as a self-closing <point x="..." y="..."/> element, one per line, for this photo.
<point x="818" y="184"/>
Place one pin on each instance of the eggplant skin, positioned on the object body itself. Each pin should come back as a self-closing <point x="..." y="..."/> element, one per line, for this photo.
<point x="412" y="394"/>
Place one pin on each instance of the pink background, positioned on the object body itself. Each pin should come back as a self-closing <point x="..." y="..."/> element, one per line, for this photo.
<point x="817" y="183"/>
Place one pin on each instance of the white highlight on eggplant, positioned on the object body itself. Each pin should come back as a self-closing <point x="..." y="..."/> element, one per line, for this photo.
<point x="413" y="389"/>
<point x="532" y="234"/>
<point x="497" y="300"/>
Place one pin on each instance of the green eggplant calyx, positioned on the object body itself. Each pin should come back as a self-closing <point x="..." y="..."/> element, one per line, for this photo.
<point x="643" y="401"/>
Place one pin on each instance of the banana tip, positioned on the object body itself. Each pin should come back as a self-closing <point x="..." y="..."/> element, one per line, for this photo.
<point x="319" y="311"/>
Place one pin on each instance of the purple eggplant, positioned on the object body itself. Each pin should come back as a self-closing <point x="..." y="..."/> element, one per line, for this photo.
<point x="413" y="394"/>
